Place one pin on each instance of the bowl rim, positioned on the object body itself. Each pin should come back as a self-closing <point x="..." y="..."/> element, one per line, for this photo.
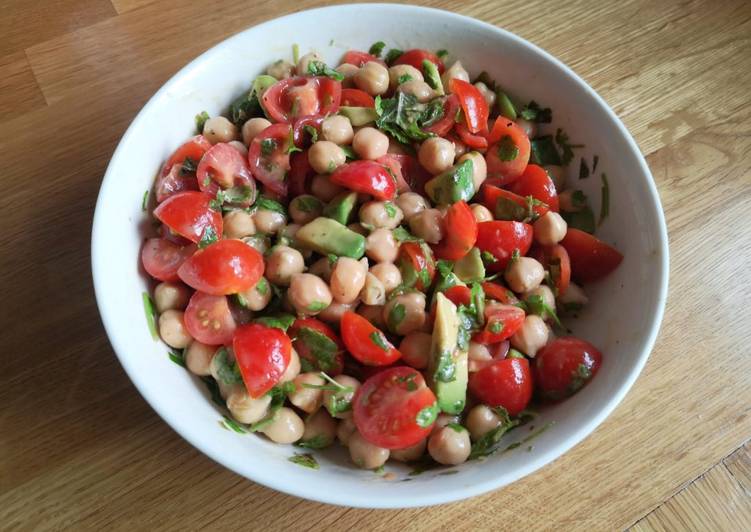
<point x="426" y="498"/>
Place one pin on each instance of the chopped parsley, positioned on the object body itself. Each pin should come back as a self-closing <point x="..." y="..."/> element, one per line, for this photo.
<point x="583" y="169"/>
<point x="201" y="119"/>
<point x="376" y="48"/>
<point x="227" y="371"/>
<point x="488" y="444"/>
<point x="393" y="55"/>
<point x="604" y="199"/>
<point x="317" y="306"/>
<point x="488" y="258"/>
<point x="544" y="152"/>
<point x="595" y="160"/>
<point x="323" y="349"/>
<point x="269" y="204"/>
<point x="313" y="132"/>
<point x="319" y="68"/>
<point x="280" y="321"/>
<point x="230" y="424"/>
<point x="295" y="53"/>
<point x="536" y="305"/>
<point x="427" y="416"/>
<point x="507" y="149"/>
<point x="262" y="286"/>
<point x="404" y="78"/>
<point x="208" y="237"/>
<point x="378" y="339"/>
<point x="495" y="327"/>
<point x="268" y="146"/>
<point x="317" y="442"/>
<point x="176" y="356"/>
<point x="403" y="116"/>
<point x="390" y="209"/>
<point x="148" y="308"/>
<point x="534" y="113"/>
<point x="308" y="203"/>
<point x="305" y="460"/>
<point x="442" y="54"/>
<point x="582" y="218"/>
<point x="456" y="427"/>
<point x="349" y="153"/>
<point x="145" y="200"/>
<point x="278" y="395"/>
<point x="396" y="315"/>
<point x="567" y="149"/>
<point x="402" y="235"/>
<point x="189" y="166"/>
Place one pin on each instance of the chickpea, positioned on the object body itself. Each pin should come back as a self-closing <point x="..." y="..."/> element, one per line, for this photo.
<point x="373" y="313"/>
<point x="304" y="63"/>
<point x="321" y="428"/>
<point x="171" y="296"/>
<point x="481" y="420"/>
<point x="454" y="71"/>
<point x="339" y="403"/>
<point x="411" y="203"/>
<point x="348" y="278"/>
<point x="370" y="143"/>
<point x="436" y="155"/>
<point x="428" y="225"/>
<point x="334" y="312"/>
<point x="258" y="296"/>
<point x="488" y="94"/>
<point x="305" y="208"/>
<point x="398" y="72"/>
<point x="282" y="263"/>
<point x="417" y="88"/>
<point x="281" y="69"/>
<point x="530" y="128"/>
<point x="373" y="292"/>
<point x="246" y="409"/>
<point x="524" y="274"/>
<point x="444" y="419"/>
<point x="308" y="294"/>
<point x="345" y="430"/>
<point x="172" y="329"/>
<point x="574" y="294"/>
<point x="449" y="446"/>
<point x="380" y="214"/>
<point x="364" y="454"/>
<point x="478" y="356"/>
<point x="545" y="293"/>
<point x="293" y="368"/>
<point x="413" y="305"/>
<point x="479" y="167"/>
<point x="240" y="147"/>
<point x="481" y="213"/>
<point x="219" y="129"/>
<point x="198" y="358"/>
<point x="409" y="454"/>
<point x="268" y="222"/>
<point x="287" y="427"/>
<point x="337" y="129"/>
<point x="550" y="228"/>
<point x="388" y="274"/>
<point x="348" y="71"/>
<point x="322" y="268"/>
<point x="258" y="242"/>
<point x="381" y="246"/>
<point x="557" y="174"/>
<point x="532" y="335"/>
<point x="252" y="128"/>
<point x="373" y="78"/>
<point x="238" y="224"/>
<point x="307" y="399"/>
<point x="322" y="187"/>
<point x="415" y="349"/>
<point x="324" y="156"/>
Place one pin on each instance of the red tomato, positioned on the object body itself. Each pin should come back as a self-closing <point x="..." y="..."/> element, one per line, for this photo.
<point x="499" y="293"/>
<point x="393" y="163"/>
<point x="508" y="153"/>
<point x="188" y="214"/>
<point x="415" y="58"/>
<point x="442" y="126"/>
<point x="300" y="173"/>
<point x="501" y="322"/>
<point x="506" y="383"/>
<point x="473" y="104"/>
<point x="591" y="258"/>
<point x="501" y="238"/>
<point x="357" y="58"/>
<point x="357" y="98"/>
<point x="223" y="167"/>
<point x="367" y="177"/>
<point x="564" y="366"/>
<point x="262" y="354"/>
<point x="491" y="195"/>
<point x="416" y="262"/>
<point x="536" y="182"/>
<point x="365" y="342"/>
<point x="477" y="142"/>
<point x="161" y="258"/>
<point x="302" y="138"/>
<point x="173" y="182"/>
<point x="224" y="267"/>
<point x="555" y="259"/>
<point x="290" y="98"/>
<point x="320" y="358"/>
<point x="394" y="408"/>
<point x="461" y="235"/>
<point x="192" y="149"/>
<point x="209" y="319"/>
<point x="458" y="295"/>
<point x="268" y="157"/>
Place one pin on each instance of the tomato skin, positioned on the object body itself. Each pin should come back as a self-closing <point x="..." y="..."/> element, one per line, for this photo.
<point x="223" y="167"/>
<point x="510" y="317"/>
<point x="209" y="320"/>
<point x="458" y="295"/>
<point x="473" y="104"/>
<point x="174" y="181"/>
<point x="474" y="141"/>
<point x="499" y="293"/>
<point x="367" y="177"/>
<point x="415" y="58"/>
<point x="291" y="98"/>
<point x="300" y="173"/>
<point x="394" y="162"/>
<point x="506" y="382"/>
<point x="386" y="407"/>
<point x="192" y="149"/>
<point x="302" y="139"/>
<point x="224" y="267"/>
<point x="591" y="258"/>
<point x="446" y="123"/>
<point x="556" y="260"/>
<point x="357" y="335"/>
<point x="564" y="366"/>
<point x="262" y="354"/>
<point x="536" y="182"/>
<point x="505" y="172"/>
<point x="462" y="234"/>
<point x="358" y="58"/>
<point x="306" y="353"/>
<point x="189" y="214"/>
<point x="357" y="98"/>
<point x="271" y="168"/>
<point x="491" y="195"/>
<point x="161" y="258"/>
<point x="420" y="259"/>
<point x="501" y="237"/>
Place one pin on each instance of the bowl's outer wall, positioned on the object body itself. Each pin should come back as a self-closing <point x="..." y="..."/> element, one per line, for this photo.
<point x="622" y="319"/>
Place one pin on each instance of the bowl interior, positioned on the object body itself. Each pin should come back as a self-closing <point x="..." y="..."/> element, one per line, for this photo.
<point x="622" y="318"/>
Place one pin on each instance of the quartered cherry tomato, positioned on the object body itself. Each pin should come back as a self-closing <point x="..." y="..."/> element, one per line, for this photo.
<point x="291" y="98"/>
<point x="536" y="182"/>
<point x="555" y="259"/>
<point x="508" y="154"/>
<point x="501" y="322"/>
<point x="499" y="293"/>
<point x="461" y="235"/>
<point x="174" y="181"/>
<point x="302" y="134"/>
<point x="161" y="258"/>
<point x="476" y="141"/>
<point x="442" y="126"/>
<point x="300" y="173"/>
<point x="209" y="319"/>
<point x="224" y="267"/>
<point x="367" y="177"/>
<point x="223" y="167"/>
<point x="190" y="215"/>
<point x="501" y="238"/>
<point x="366" y="342"/>
<point x="506" y="382"/>
<point x="193" y="149"/>
<point x="591" y="258"/>
<point x="262" y="354"/>
<point x="417" y="265"/>
<point x="393" y="163"/>
<point x="491" y="195"/>
<point x="318" y="346"/>
<point x="356" y="98"/>
<point x="473" y="104"/>
<point x="416" y="56"/>
<point x="564" y="366"/>
<point x="358" y="58"/>
<point x="394" y="408"/>
<point x="268" y="157"/>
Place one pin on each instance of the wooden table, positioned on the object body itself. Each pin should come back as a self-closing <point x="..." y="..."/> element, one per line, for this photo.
<point x="80" y="449"/>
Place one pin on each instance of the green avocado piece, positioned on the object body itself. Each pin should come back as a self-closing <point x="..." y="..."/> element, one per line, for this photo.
<point x="326" y="236"/>
<point x="432" y="76"/>
<point x="447" y="368"/>
<point x="455" y="184"/>
<point x="470" y="267"/>
<point x="340" y="208"/>
<point x="359" y="116"/>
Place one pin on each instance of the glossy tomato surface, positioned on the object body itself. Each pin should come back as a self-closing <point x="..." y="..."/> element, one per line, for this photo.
<point x="222" y="268"/>
<point x="443" y="125"/>
<point x="367" y="177"/>
<point x="161" y="258"/>
<point x="357" y="98"/>
<point x="555" y="260"/>
<point x="591" y="258"/>
<point x="269" y="159"/>
<point x="192" y="149"/>
<point x="461" y="235"/>
<point x="222" y="167"/>
<point x="536" y="182"/>
<point x="174" y="181"/>
<point x="416" y="262"/>
<point x="209" y="320"/>
<point x="492" y="194"/>
<point x="501" y="238"/>
<point x="564" y="366"/>
<point x="508" y="153"/>
<point x="501" y="322"/>
<point x="262" y="354"/>
<point x="366" y="342"/>
<point x="358" y="58"/>
<point x="189" y="214"/>
<point x="416" y="56"/>
<point x="473" y="104"/>
<point x="506" y="382"/>
<point x="291" y="98"/>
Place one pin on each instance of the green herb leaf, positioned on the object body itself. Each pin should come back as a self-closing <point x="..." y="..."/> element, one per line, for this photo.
<point x="396" y="316"/>
<point x="208" y="237"/>
<point x="148" y="308"/>
<point x="213" y="389"/>
<point x="583" y="218"/>
<point x="595" y="160"/>
<point x="583" y="169"/>
<point x="392" y="56"/>
<point x="313" y="132"/>
<point x="495" y="327"/>
<point x="230" y="424"/>
<point x="534" y="113"/>
<point x="323" y="348"/>
<point x="402" y="235"/>
<point x="567" y="149"/>
<point x="262" y="286"/>
<point x="201" y="119"/>
<point x="507" y="149"/>
<point x="176" y="356"/>
<point x="319" y="68"/>
<point x="488" y="258"/>
<point x="508" y="209"/>
<point x="295" y="53"/>
<point x="579" y="378"/>
<point x="390" y="209"/>
<point x="268" y="146"/>
<point x="227" y="371"/>
<point x="505" y="105"/>
<point x="189" y="166"/>
<point x="378" y="339"/>
<point x="316" y="442"/>
<point x="402" y="117"/>
<point x="488" y="444"/>
<point x="269" y="204"/>
<point x="376" y="48"/>
<point x="604" y="199"/>
<point x="427" y="416"/>
<point x="544" y="152"/>
<point x="404" y="78"/>
<point x="349" y="153"/>
<point x="317" y="306"/>
<point x="442" y="54"/>
<point x="145" y="200"/>
<point x="433" y="77"/>
<point x="456" y="427"/>
<point x="308" y="203"/>
<point x="280" y="321"/>
<point x="305" y="460"/>
<point x="536" y="305"/>
<point x="278" y="396"/>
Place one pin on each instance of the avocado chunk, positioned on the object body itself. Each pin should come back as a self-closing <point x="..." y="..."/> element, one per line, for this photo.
<point x="432" y="76"/>
<point x="325" y="236"/>
<point x="470" y="267"/>
<point x="447" y="368"/>
<point x="455" y="184"/>
<point x="359" y="116"/>
<point x="340" y="208"/>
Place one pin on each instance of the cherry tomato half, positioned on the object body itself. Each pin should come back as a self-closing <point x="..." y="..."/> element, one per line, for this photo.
<point x="555" y="259"/>
<point x="506" y="382"/>
<point x="367" y="177"/>
<point x="536" y="182"/>
<point x="591" y="258"/>
<point x="491" y="195"/>
<point x="496" y="292"/>
<point x="357" y="98"/>
<point x="262" y="354"/>
<point x="394" y="408"/>
<point x="290" y="98"/>
<point x="268" y="157"/>
<point x="161" y="258"/>
<point x="501" y="238"/>
<point x="173" y="182"/>
<point x="442" y="126"/>
<point x="366" y="342"/>
<point x="475" y="141"/>
<point x="302" y="137"/>
<point x="193" y="149"/>
<point x="393" y="163"/>
<point x="501" y="322"/>
<point x="416" y="56"/>
<point x="224" y="267"/>
<point x="189" y="215"/>
<point x="223" y="167"/>
<point x="564" y="366"/>
<point x="417" y="265"/>
<point x="358" y="58"/>
<point x="462" y="233"/>
<point x="317" y="344"/>
<point x="508" y="154"/>
<point x="473" y="104"/>
<point x="209" y="319"/>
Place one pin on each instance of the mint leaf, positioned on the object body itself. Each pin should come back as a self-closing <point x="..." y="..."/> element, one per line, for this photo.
<point x="319" y="68"/>
<point x="378" y="339"/>
<point x="280" y="321"/>
<point x="507" y="150"/>
<point x="427" y="416"/>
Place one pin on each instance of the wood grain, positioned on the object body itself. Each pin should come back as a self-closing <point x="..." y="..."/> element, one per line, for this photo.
<point x="80" y="449"/>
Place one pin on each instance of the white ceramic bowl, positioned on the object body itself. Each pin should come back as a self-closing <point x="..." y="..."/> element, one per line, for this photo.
<point x="622" y="319"/>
